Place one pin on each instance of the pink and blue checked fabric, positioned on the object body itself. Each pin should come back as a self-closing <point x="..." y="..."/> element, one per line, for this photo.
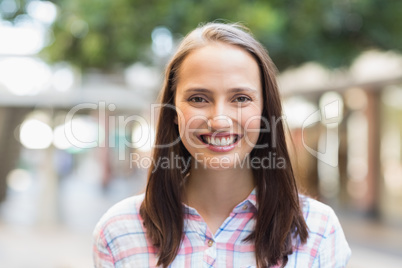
<point x="120" y="239"/>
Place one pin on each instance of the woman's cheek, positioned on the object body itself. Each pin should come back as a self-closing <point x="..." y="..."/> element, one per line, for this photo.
<point x="252" y="127"/>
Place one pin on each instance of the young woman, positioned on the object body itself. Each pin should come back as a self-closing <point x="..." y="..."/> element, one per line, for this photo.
<point x="228" y="197"/>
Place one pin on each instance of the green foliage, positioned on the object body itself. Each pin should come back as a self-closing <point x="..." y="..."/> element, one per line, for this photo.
<point x="108" y="34"/>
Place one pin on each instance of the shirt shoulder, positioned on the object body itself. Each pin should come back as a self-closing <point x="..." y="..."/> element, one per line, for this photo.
<point x="126" y="208"/>
<point x="121" y="218"/>
<point x="120" y="237"/>
<point x="326" y="245"/>
<point x="317" y="215"/>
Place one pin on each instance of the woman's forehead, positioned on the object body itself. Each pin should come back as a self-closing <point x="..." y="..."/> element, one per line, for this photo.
<point x="220" y="63"/>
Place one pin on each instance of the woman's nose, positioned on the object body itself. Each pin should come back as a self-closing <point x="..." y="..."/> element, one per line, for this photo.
<point x="220" y="122"/>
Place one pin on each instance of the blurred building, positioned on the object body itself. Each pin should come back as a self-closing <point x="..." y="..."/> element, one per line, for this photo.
<point x="349" y="153"/>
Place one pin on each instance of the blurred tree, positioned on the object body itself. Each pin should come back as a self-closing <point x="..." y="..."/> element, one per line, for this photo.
<point x="108" y="34"/>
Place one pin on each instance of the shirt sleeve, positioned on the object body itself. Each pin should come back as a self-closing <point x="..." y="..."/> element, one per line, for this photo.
<point x="102" y="255"/>
<point x="334" y="251"/>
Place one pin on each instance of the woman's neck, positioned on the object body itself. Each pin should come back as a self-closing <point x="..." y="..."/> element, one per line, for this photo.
<point x="214" y="193"/>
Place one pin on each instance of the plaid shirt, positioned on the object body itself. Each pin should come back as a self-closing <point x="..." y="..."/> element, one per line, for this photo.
<point x="120" y="239"/>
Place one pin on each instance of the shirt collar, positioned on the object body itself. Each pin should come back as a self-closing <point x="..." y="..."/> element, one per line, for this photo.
<point x="252" y="198"/>
<point x="249" y="204"/>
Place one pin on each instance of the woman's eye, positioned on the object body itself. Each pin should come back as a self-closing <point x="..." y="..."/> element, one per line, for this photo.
<point x="242" y="99"/>
<point x="197" y="99"/>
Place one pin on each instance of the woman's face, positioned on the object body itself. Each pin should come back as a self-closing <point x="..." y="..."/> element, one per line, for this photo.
<point x="219" y="105"/>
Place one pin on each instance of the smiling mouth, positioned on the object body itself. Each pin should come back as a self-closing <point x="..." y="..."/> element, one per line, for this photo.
<point x="213" y="140"/>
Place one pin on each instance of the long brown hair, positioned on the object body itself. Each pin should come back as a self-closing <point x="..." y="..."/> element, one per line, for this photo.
<point x="279" y="219"/>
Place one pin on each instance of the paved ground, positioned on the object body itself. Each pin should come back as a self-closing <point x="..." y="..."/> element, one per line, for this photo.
<point x="44" y="248"/>
<point x="373" y="244"/>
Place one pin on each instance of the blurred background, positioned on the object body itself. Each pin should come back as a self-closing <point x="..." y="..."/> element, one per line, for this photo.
<point x="78" y="77"/>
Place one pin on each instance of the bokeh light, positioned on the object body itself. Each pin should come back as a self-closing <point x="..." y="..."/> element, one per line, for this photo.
<point x="162" y="41"/>
<point x="19" y="180"/>
<point x="43" y="11"/>
<point x="143" y="136"/>
<point x="297" y="109"/>
<point x="81" y="132"/>
<point x="331" y="105"/>
<point x="35" y="134"/>
<point x="24" y="75"/>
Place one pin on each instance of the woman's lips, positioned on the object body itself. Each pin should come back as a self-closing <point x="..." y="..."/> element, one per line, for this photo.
<point x="220" y="142"/>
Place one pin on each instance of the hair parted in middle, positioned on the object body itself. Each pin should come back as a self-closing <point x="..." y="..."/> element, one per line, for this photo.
<point x="279" y="218"/>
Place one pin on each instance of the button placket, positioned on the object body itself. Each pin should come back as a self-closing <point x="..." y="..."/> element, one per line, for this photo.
<point x="210" y="252"/>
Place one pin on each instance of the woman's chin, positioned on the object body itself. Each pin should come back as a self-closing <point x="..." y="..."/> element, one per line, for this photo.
<point x="216" y="163"/>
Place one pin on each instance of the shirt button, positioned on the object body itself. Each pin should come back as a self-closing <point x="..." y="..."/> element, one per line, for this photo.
<point x="245" y="207"/>
<point x="210" y="242"/>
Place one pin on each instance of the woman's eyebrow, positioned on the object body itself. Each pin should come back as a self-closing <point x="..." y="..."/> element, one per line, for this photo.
<point x="231" y="90"/>
<point x="242" y="89"/>
<point x="198" y="90"/>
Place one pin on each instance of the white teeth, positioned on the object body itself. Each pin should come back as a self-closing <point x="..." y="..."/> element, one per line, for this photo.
<point x="224" y="142"/>
<point x="216" y="141"/>
<point x="219" y="141"/>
